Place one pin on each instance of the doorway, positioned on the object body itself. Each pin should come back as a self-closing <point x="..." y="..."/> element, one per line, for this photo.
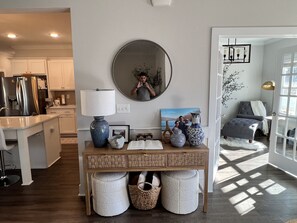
<point x="43" y="36"/>
<point x="216" y="80"/>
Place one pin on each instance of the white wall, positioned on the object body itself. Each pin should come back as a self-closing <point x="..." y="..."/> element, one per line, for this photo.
<point x="251" y="77"/>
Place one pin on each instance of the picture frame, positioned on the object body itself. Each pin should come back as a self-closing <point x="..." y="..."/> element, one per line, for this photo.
<point x="172" y="114"/>
<point x="123" y="130"/>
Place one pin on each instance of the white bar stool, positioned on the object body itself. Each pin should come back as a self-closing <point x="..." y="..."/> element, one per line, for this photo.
<point x="6" y="180"/>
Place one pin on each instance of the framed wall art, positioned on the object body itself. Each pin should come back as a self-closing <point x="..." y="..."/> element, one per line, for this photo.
<point x="123" y="130"/>
<point x="172" y="115"/>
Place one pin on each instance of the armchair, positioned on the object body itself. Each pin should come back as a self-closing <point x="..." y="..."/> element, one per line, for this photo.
<point x="245" y="124"/>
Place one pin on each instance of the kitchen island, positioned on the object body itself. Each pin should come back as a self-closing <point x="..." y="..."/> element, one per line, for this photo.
<point x="38" y="142"/>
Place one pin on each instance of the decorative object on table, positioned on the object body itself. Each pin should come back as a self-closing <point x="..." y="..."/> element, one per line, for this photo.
<point x="123" y="130"/>
<point x="144" y="199"/>
<point x="236" y="53"/>
<point x="230" y="84"/>
<point x="177" y="117"/>
<point x="144" y="136"/>
<point x="167" y="133"/>
<point x="177" y="139"/>
<point x="145" y="144"/>
<point x="98" y="103"/>
<point x="116" y="142"/>
<point x="195" y="131"/>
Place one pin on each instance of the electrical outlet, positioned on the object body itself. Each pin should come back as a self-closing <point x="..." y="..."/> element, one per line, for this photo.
<point x="123" y="108"/>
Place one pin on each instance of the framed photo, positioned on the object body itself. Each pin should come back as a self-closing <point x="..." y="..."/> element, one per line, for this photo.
<point x="173" y="114"/>
<point x="123" y="130"/>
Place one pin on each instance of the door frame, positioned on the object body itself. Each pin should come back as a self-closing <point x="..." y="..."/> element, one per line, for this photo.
<point x="231" y="32"/>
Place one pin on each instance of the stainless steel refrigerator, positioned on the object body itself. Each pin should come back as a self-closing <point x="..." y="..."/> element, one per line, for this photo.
<point x="23" y="95"/>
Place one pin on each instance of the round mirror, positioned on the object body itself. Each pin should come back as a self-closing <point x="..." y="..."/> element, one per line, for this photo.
<point x="142" y="70"/>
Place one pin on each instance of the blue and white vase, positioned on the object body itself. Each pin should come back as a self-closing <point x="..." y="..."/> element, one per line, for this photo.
<point x="195" y="132"/>
<point x="177" y="139"/>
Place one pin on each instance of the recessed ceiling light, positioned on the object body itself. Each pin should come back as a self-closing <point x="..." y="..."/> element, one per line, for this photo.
<point x="11" y="35"/>
<point x="54" y="35"/>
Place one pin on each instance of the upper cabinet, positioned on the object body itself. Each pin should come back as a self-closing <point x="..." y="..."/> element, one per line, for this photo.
<point x="28" y="66"/>
<point x="61" y="75"/>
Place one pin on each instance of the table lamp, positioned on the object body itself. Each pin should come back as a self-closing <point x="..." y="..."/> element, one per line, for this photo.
<point x="98" y="103"/>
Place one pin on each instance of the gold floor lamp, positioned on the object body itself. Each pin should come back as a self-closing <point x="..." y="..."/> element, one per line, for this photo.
<point x="270" y="86"/>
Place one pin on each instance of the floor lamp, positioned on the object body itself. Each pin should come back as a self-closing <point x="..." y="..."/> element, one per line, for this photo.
<point x="270" y="86"/>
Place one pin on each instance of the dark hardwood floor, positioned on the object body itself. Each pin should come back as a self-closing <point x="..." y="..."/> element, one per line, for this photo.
<point x="246" y="190"/>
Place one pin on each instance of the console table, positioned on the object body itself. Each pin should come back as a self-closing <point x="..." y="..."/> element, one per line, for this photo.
<point x="123" y="160"/>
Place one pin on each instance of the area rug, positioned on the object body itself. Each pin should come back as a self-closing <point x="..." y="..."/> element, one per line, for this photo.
<point x="242" y="143"/>
<point x="68" y="140"/>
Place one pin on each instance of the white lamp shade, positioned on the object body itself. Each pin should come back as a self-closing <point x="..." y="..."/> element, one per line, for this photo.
<point x="100" y="102"/>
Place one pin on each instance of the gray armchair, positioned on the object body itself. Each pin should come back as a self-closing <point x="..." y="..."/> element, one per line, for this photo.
<point x="245" y="124"/>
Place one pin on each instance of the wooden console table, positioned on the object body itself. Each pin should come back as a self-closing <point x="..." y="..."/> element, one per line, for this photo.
<point x="168" y="159"/>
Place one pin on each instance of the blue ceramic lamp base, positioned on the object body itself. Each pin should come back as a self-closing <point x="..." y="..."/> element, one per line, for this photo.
<point x="99" y="131"/>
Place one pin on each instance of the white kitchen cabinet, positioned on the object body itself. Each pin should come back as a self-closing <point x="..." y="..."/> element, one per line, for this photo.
<point x="67" y="119"/>
<point x="61" y="75"/>
<point x="28" y="66"/>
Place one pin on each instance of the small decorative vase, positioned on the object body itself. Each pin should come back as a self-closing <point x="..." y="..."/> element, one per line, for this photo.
<point x="178" y="139"/>
<point x="195" y="132"/>
<point x="167" y="133"/>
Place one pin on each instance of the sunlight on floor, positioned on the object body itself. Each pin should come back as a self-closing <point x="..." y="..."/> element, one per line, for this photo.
<point x="244" y="200"/>
<point x="245" y="206"/>
<point x="226" y="174"/>
<point x="253" y="163"/>
<point x="237" y="154"/>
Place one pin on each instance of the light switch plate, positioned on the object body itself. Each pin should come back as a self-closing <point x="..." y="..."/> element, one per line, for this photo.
<point x="123" y="108"/>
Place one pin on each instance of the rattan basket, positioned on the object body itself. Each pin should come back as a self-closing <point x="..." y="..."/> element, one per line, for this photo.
<point x="144" y="199"/>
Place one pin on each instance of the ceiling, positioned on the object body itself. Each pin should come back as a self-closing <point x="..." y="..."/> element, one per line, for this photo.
<point x="33" y="29"/>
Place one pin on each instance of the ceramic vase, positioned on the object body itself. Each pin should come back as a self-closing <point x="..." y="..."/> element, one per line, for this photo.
<point x="195" y="132"/>
<point x="177" y="139"/>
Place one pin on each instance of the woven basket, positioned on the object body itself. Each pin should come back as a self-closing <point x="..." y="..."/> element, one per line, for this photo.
<point x="144" y="199"/>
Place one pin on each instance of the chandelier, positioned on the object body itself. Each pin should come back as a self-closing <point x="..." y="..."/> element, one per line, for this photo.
<point x="236" y="53"/>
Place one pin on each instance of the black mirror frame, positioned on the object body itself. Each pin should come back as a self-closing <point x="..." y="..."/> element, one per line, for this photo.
<point x="114" y="61"/>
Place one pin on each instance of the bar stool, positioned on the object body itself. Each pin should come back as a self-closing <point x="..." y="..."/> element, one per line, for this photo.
<point x="6" y="180"/>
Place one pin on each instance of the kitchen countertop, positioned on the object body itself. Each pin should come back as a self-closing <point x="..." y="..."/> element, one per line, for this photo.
<point x="23" y="122"/>
<point x="62" y="106"/>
